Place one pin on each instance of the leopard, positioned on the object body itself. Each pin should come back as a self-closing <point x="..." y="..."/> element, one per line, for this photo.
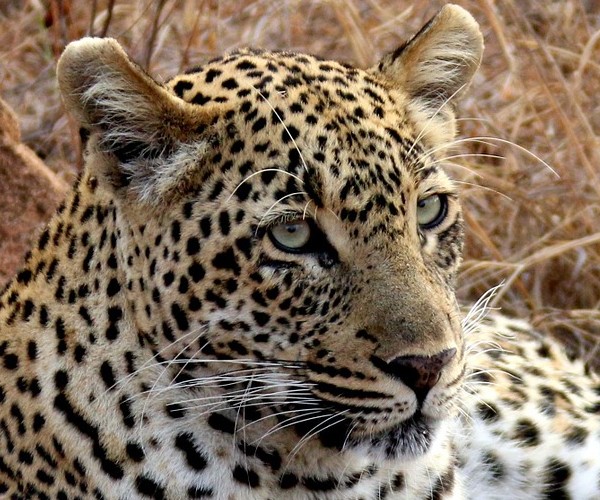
<point x="249" y="293"/>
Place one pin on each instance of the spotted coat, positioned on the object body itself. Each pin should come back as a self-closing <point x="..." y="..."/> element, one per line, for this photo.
<point x="249" y="294"/>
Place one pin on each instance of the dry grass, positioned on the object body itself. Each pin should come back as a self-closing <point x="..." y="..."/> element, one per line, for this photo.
<point x="536" y="97"/>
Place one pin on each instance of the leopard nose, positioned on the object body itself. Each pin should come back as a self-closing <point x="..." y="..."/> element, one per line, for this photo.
<point x="420" y="373"/>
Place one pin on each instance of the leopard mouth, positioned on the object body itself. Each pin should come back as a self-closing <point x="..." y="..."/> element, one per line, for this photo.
<point x="408" y="439"/>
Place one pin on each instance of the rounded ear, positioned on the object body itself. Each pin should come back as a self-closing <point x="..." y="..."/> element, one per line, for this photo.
<point x="134" y="118"/>
<point x="438" y="63"/>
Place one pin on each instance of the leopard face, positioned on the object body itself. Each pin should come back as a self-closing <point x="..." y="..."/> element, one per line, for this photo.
<point x="296" y="223"/>
<point x="268" y="243"/>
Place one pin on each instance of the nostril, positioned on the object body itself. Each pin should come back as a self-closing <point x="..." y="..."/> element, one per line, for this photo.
<point x="420" y="373"/>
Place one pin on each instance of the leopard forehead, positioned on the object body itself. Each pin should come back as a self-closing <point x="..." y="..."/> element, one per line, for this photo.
<point x="347" y="136"/>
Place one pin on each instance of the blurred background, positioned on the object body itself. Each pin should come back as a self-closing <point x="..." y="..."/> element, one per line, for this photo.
<point x="528" y="164"/>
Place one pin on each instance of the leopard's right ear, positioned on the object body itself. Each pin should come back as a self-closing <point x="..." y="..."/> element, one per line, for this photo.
<point x="435" y="67"/>
<point x="137" y="121"/>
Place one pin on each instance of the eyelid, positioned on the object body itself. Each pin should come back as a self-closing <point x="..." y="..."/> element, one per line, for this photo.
<point x="284" y="218"/>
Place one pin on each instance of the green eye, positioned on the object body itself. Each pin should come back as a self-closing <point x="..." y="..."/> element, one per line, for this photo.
<point x="291" y="236"/>
<point x="431" y="211"/>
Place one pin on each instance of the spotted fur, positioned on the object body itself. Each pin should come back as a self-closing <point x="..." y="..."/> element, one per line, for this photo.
<point x="248" y="295"/>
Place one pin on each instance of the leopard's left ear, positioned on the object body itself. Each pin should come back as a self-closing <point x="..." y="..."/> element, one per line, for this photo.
<point x="436" y="66"/>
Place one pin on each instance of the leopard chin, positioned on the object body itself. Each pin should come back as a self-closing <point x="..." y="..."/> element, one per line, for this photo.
<point x="411" y="438"/>
<point x="408" y="439"/>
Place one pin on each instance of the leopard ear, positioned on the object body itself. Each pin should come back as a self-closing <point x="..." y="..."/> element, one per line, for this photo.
<point x="438" y="63"/>
<point x="140" y="128"/>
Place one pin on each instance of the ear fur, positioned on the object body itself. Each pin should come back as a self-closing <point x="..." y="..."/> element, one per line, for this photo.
<point x="437" y="65"/>
<point x="147" y="131"/>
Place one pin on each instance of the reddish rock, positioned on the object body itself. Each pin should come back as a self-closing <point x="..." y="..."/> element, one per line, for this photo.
<point x="29" y="194"/>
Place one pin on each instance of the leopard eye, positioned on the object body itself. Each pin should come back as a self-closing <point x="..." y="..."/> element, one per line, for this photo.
<point x="291" y="236"/>
<point x="431" y="211"/>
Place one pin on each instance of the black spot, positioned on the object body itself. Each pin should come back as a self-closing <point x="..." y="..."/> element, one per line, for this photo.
<point x="224" y="223"/>
<point x="557" y="477"/>
<point x="261" y="318"/>
<point x="318" y="484"/>
<point x="200" y="99"/>
<point x="149" y="488"/>
<point x="193" y="246"/>
<point x="38" y="422"/>
<point x="11" y="361"/>
<point x="113" y="287"/>
<point x="221" y="423"/>
<point x="61" y="379"/>
<point x="288" y="481"/>
<point x="244" y="64"/>
<point x="246" y="477"/>
<point x="289" y="134"/>
<point x="259" y="124"/>
<point x="488" y="411"/>
<point x="112" y="332"/>
<point x="226" y="260"/>
<point x="180" y="317"/>
<point x="237" y="347"/>
<point x="175" y="410"/>
<point x="115" y="313"/>
<point x="398" y="482"/>
<point x="44" y="477"/>
<point x="127" y="414"/>
<point x="108" y="376"/>
<point x="168" y="278"/>
<point x="32" y="350"/>
<point x="46" y="456"/>
<point x="28" y="308"/>
<point x="34" y="387"/>
<point x="25" y="457"/>
<point x="526" y="433"/>
<point x="175" y="231"/>
<point x="24" y="277"/>
<point x="84" y="313"/>
<point x="44" y="315"/>
<point x="44" y="239"/>
<point x="184" y="285"/>
<point x="544" y="351"/>
<point x="181" y="86"/>
<point x="211" y="74"/>
<point x="79" y="353"/>
<point x="205" y="227"/>
<point x="195" y="459"/>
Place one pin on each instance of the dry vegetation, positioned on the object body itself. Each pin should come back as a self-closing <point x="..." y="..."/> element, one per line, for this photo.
<point x="534" y="105"/>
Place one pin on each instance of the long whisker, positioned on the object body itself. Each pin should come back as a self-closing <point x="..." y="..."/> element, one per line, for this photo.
<point x="489" y="141"/>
